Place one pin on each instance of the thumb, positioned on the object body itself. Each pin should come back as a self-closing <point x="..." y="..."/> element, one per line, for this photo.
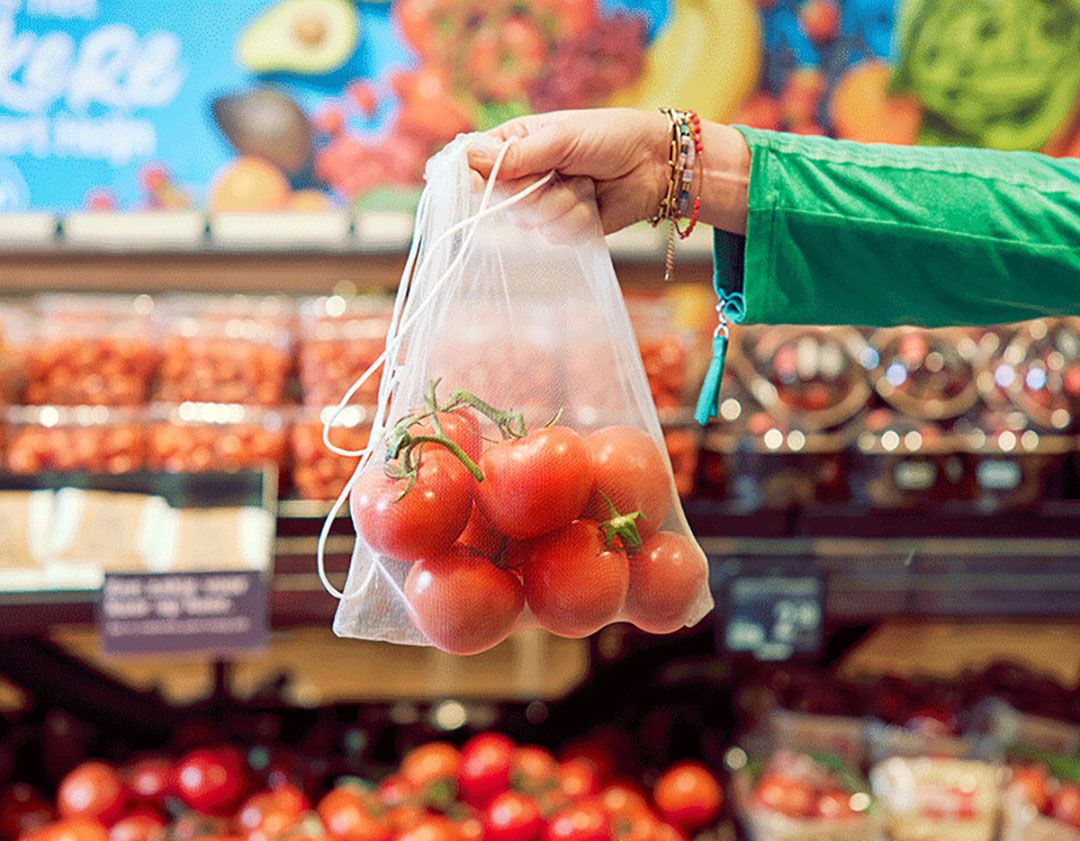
<point x="536" y="151"/>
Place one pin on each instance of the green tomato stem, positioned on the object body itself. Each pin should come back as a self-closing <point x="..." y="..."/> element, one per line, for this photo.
<point x="452" y="446"/>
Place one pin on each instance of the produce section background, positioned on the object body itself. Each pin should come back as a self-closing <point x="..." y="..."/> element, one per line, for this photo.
<point x="310" y="104"/>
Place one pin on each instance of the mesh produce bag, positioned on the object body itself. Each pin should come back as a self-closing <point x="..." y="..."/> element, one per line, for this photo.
<point x="516" y="474"/>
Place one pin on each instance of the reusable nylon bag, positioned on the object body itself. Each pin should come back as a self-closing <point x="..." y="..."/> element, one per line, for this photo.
<point x="533" y="335"/>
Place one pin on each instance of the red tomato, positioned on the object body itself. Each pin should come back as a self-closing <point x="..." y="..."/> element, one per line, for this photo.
<point x="151" y="779"/>
<point x="820" y="19"/>
<point x="424" y="522"/>
<point x="512" y="817"/>
<point x="462" y="602"/>
<point x="835" y="805"/>
<point x="460" y="426"/>
<point x="533" y="769"/>
<point x="669" y="575"/>
<point x="70" y="829"/>
<point x="1032" y="783"/>
<point x="688" y="795"/>
<point x="639" y="827"/>
<point x="430" y="763"/>
<point x="94" y="791"/>
<point x="1065" y="806"/>
<point x="346" y="817"/>
<point x="584" y="822"/>
<point x="630" y="470"/>
<point x="787" y="795"/>
<point x="574" y="584"/>
<point x="143" y="826"/>
<point x="403" y="818"/>
<point x="481" y="535"/>
<point x="22" y="809"/>
<point x="623" y="803"/>
<point x="578" y="779"/>
<point x="212" y="780"/>
<point x="269" y="813"/>
<point x="432" y="828"/>
<point x="470" y="828"/>
<point x="395" y="790"/>
<point x="485" y="768"/>
<point x="536" y="484"/>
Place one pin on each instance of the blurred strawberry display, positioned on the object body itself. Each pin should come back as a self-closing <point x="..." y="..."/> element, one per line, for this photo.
<point x="90" y="350"/>
<point x="490" y="789"/>
<point x="339" y="339"/>
<point x="75" y="439"/>
<point x="198" y="437"/>
<point x="318" y="473"/>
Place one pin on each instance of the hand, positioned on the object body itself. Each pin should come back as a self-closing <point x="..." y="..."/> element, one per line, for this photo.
<point x="624" y="153"/>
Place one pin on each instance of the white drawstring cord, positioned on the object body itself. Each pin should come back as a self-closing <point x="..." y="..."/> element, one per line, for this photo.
<point x="397" y="330"/>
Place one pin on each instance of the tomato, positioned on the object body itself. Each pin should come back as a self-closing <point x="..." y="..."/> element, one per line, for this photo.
<point x="787" y="795"/>
<point x="269" y="813"/>
<point x="151" y="779"/>
<point x="395" y="790"/>
<point x="485" y="768"/>
<point x="212" y="780"/>
<point x="631" y="471"/>
<point x="688" y="795"/>
<point x="430" y="763"/>
<point x="94" y="791"/>
<point x="346" y="817"/>
<point x="432" y="828"/>
<point x="533" y="769"/>
<point x="835" y="805"/>
<point x="70" y="829"/>
<point x="1032" y="784"/>
<point x="536" y="484"/>
<point x="22" y="809"/>
<point x="669" y="577"/>
<point x="471" y="828"/>
<point x="462" y="602"/>
<point x="578" y="779"/>
<point x="460" y="426"/>
<point x="403" y="818"/>
<point x="416" y="20"/>
<point x="143" y="826"/>
<point x="481" y="535"/>
<point x="596" y="749"/>
<point x="1065" y="806"/>
<point x="426" y="520"/>
<point x="623" y="803"/>
<point x="512" y="817"/>
<point x="642" y="826"/>
<point x="584" y="822"/>
<point x="574" y="584"/>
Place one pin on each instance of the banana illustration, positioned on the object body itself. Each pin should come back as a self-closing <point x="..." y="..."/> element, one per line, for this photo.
<point x="707" y="57"/>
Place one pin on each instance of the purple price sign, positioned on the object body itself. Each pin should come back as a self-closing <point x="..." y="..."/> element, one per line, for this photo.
<point x="164" y="613"/>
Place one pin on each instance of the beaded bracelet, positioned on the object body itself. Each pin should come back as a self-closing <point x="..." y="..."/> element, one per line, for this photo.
<point x="684" y="157"/>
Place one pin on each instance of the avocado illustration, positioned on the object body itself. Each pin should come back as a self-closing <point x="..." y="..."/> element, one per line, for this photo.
<point x="266" y="123"/>
<point x="998" y="73"/>
<point x="311" y="37"/>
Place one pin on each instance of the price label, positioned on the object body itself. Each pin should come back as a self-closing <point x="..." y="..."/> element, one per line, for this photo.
<point x="165" y="613"/>
<point x="775" y="616"/>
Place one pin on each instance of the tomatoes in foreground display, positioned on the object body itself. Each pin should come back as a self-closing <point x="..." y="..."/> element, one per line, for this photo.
<point x="212" y="780"/>
<point x="94" y="791"/>
<point x="688" y="795"/>
<point x="462" y="602"/>
<point x="486" y="761"/>
<point x="586" y="821"/>
<point x="512" y="817"/>
<point x="506" y="526"/>
<point x="346" y="816"/>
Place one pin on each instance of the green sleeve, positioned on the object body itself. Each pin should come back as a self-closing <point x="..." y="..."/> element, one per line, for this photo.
<point x="875" y="235"/>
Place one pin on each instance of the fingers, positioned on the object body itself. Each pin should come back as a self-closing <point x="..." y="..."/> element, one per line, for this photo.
<point x="563" y="211"/>
<point x="543" y="143"/>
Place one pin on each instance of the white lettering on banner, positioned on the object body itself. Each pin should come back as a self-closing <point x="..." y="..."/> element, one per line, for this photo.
<point x="66" y="9"/>
<point x="115" y="139"/>
<point x="24" y="136"/>
<point x="112" y="66"/>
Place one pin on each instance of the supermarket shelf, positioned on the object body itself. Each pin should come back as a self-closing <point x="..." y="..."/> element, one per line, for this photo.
<point x="961" y="571"/>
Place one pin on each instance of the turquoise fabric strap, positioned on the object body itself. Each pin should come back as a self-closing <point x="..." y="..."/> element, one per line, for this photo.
<point x="730" y="310"/>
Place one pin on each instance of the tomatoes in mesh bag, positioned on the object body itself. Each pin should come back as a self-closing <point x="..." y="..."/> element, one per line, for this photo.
<point x="504" y="488"/>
